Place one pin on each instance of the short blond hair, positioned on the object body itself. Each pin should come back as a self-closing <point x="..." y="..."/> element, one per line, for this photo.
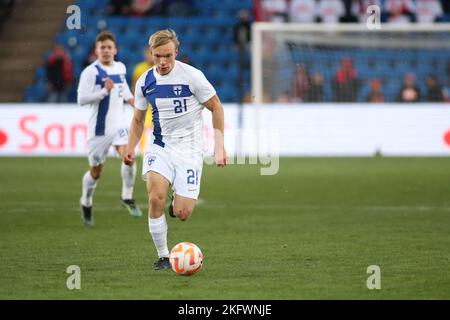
<point x="162" y="37"/>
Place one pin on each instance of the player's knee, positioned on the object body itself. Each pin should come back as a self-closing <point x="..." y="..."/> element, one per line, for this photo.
<point x="96" y="174"/>
<point x="183" y="214"/>
<point x="157" y="199"/>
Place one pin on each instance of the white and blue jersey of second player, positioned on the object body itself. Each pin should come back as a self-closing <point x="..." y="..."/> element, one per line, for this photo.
<point x="107" y="110"/>
<point x="176" y="100"/>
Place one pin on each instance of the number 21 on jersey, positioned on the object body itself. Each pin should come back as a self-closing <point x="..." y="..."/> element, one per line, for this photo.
<point x="180" y="105"/>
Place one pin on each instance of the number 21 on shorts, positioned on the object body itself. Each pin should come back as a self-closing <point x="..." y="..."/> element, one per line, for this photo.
<point x="192" y="176"/>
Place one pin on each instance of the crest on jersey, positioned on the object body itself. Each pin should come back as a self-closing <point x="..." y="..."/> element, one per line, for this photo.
<point x="151" y="160"/>
<point x="177" y="90"/>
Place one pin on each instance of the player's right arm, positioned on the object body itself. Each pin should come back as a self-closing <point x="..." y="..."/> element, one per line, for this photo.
<point x="137" y="124"/>
<point x="134" y="134"/>
<point x="206" y="95"/>
<point x="86" y="88"/>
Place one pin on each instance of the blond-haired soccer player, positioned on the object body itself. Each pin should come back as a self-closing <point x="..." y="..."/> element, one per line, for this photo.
<point x="103" y="89"/>
<point x="177" y="93"/>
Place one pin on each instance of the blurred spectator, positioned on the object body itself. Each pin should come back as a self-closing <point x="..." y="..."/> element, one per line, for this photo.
<point x="275" y="10"/>
<point x="400" y="11"/>
<point x="59" y="74"/>
<point x="242" y="30"/>
<point x="300" y="83"/>
<point x="346" y="82"/>
<point x="141" y="67"/>
<point x="119" y="7"/>
<point x="435" y="92"/>
<point x="351" y="9"/>
<point x="428" y="11"/>
<point x="330" y="11"/>
<point x="302" y="11"/>
<point x="141" y="8"/>
<point x="283" y="97"/>
<point x="315" y="92"/>
<point x="409" y="91"/>
<point x="376" y="93"/>
<point x="241" y="37"/>
<point x="181" y="8"/>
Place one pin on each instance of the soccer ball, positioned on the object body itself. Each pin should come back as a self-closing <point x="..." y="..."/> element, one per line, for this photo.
<point x="186" y="258"/>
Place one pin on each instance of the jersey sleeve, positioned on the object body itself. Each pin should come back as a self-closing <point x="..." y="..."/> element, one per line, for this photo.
<point x="140" y="102"/>
<point x="202" y="88"/>
<point x="86" y="93"/>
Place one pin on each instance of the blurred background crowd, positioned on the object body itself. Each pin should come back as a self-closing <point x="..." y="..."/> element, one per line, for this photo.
<point x="334" y="11"/>
<point x="38" y="66"/>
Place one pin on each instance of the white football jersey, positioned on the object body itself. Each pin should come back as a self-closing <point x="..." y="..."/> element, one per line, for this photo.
<point x="107" y="110"/>
<point x="176" y="101"/>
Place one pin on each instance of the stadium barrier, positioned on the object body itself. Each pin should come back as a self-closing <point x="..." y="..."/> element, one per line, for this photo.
<point x="284" y="130"/>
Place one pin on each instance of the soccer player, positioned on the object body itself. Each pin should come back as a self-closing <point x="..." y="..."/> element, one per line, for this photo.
<point x="103" y="89"/>
<point x="177" y="94"/>
<point x="143" y="66"/>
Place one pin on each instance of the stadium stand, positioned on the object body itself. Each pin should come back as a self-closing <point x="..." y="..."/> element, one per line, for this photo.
<point x="206" y="40"/>
<point x="25" y="36"/>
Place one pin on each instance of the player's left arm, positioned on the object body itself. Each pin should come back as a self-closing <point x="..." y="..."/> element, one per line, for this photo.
<point x="215" y="106"/>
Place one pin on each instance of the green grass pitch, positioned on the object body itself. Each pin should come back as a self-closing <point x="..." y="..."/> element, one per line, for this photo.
<point x="309" y="232"/>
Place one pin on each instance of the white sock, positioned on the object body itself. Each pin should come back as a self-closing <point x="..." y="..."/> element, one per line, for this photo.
<point x="128" y="177"/>
<point x="88" y="189"/>
<point x="158" y="230"/>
